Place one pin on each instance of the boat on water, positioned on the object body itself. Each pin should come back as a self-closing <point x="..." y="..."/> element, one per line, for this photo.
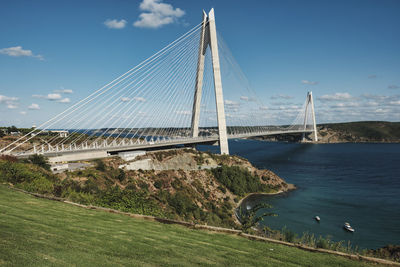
<point x="348" y="227"/>
<point x="317" y="218"/>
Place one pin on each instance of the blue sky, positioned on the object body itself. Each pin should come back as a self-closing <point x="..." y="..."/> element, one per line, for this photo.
<point x="53" y="53"/>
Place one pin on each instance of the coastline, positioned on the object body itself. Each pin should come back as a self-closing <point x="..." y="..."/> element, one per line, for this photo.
<point x="265" y="194"/>
<point x="292" y="188"/>
<point x="329" y="142"/>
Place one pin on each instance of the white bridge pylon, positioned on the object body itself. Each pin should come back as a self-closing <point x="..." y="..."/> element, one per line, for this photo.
<point x="174" y="97"/>
<point x="208" y="38"/>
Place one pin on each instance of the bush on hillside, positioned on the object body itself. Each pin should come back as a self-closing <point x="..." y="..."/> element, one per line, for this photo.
<point x="239" y="181"/>
<point x="100" y="166"/>
<point x="39" y="160"/>
<point x="181" y="203"/>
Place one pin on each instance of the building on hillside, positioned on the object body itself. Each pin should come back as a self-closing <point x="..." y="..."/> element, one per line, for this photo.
<point x="61" y="133"/>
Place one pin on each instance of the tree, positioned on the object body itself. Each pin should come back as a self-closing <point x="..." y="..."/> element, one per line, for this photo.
<point x="249" y="217"/>
<point x="12" y="129"/>
<point x="121" y="175"/>
<point x="100" y="166"/>
<point x="40" y="161"/>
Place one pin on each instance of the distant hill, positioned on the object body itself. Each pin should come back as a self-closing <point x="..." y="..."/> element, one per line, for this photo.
<point x="362" y="131"/>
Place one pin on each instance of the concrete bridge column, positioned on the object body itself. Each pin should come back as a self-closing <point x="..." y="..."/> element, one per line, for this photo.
<point x="313" y="118"/>
<point x="199" y="78"/>
<point x="310" y="102"/>
<point x="223" y="139"/>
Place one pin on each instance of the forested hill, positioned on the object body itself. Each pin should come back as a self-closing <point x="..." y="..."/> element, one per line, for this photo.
<point x="362" y="131"/>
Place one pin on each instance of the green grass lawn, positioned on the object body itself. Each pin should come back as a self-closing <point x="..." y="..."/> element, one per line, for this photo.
<point x="43" y="232"/>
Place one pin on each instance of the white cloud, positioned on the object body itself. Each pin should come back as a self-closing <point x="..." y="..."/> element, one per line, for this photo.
<point x="244" y="98"/>
<point x="309" y="82"/>
<point x="156" y="14"/>
<point x="136" y="98"/>
<point x="22" y="112"/>
<point x="394" y="102"/>
<point x="263" y="108"/>
<point x="6" y="99"/>
<point x="34" y="106"/>
<point x="115" y="24"/>
<point x="64" y="91"/>
<point x="184" y="112"/>
<point x="228" y="115"/>
<point x="18" y="51"/>
<point x="139" y="99"/>
<point x="51" y="97"/>
<point x="335" y="97"/>
<point x="373" y="97"/>
<point x="11" y="102"/>
<point x="282" y="96"/>
<point x="393" y="86"/>
<point x="372" y="104"/>
<point x="231" y="103"/>
<point x="346" y="104"/>
<point x="11" y="106"/>
<point x="64" y="100"/>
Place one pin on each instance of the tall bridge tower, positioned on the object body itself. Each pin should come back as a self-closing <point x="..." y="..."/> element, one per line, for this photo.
<point x="310" y="104"/>
<point x="208" y="39"/>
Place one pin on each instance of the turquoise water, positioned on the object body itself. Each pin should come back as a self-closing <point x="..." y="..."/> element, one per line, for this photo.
<point x="355" y="183"/>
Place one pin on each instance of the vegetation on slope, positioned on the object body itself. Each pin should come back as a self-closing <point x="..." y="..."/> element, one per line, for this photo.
<point x="43" y="233"/>
<point x="190" y="195"/>
<point x="363" y="131"/>
<point x="240" y="181"/>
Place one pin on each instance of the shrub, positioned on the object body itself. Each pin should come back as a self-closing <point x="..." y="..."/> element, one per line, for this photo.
<point x="323" y="243"/>
<point x="100" y="166"/>
<point x="90" y="186"/>
<point x="143" y="185"/>
<point x="40" y="185"/>
<point x="222" y="189"/>
<point x="39" y="160"/>
<point x="158" y="184"/>
<point x="199" y="187"/>
<point x="239" y="181"/>
<point x="176" y="184"/>
<point x="181" y="203"/>
<point x="121" y="175"/>
<point x="265" y="178"/>
<point x="8" y="157"/>
<point x="16" y="173"/>
<point x="249" y="217"/>
<point x="288" y="235"/>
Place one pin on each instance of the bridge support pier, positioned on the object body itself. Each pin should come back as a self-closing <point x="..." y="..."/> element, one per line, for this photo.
<point x="310" y="104"/>
<point x="209" y="38"/>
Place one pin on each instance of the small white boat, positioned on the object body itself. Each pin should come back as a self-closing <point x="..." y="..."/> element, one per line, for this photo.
<point x="317" y="218"/>
<point x="348" y="227"/>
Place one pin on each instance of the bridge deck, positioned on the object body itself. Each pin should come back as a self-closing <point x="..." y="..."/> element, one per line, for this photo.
<point x="157" y="144"/>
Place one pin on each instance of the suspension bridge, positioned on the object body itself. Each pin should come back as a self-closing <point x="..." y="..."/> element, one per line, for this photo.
<point x="172" y="98"/>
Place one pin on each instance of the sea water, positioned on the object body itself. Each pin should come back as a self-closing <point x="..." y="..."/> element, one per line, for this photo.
<point x="355" y="183"/>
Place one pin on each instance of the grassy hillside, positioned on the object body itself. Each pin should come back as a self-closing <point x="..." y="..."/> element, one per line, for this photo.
<point x="43" y="232"/>
<point x="367" y="131"/>
<point x="197" y="195"/>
